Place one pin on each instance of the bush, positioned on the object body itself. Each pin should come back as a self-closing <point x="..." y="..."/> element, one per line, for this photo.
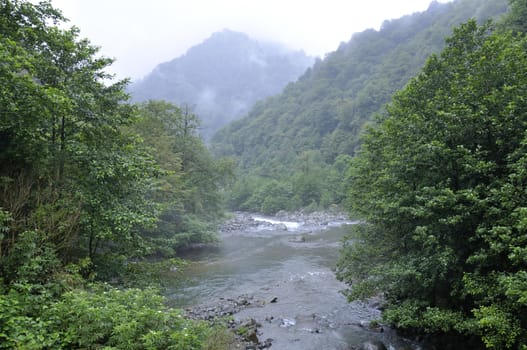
<point x="123" y="319"/>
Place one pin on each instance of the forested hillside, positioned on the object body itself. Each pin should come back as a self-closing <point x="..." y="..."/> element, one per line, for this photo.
<point x="441" y="185"/>
<point x="422" y="138"/>
<point x="292" y="148"/>
<point x="91" y="187"/>
<point x="221" y="78"/>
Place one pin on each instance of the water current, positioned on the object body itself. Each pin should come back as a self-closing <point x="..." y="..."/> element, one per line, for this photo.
<point x="289" y="266"/>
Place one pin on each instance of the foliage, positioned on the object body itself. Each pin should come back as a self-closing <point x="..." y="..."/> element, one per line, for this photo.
<point x="440" y="183"/>
<point x="310" y="187"/>
<point x="68" y="169"/>
<point x="327" y="109"/>
<point x="189" y="192"/>
<point x="130" y="319"/>
<point x="220" y="339"/>
<point x="516" y="18"/>
<point x="102" y="317"/>
<point x="79" y="193"/>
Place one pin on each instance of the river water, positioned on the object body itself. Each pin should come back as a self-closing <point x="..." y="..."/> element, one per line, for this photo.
<point x="287" y="267"/>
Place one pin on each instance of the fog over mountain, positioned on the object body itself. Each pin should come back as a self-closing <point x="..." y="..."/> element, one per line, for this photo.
<point x="221" y="78"/>
<point x="325" y="110"/>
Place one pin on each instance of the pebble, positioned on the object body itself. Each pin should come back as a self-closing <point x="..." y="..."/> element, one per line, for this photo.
<point x="229" y="307"/>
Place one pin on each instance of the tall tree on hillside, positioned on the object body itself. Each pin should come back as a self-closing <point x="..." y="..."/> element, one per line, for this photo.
<point x="516" y="20"/>
<point x="329" y="107"/>
<point x="189" y="191"/>
<point x="67" y="169"/>
<point x="441" y="186"/>
<point x="75" y="192"/>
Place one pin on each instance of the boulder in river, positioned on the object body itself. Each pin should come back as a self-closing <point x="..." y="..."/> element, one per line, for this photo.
<point x="298" y="239"/>
<point x="373" y="326"/>
<point x="373" y="345"/>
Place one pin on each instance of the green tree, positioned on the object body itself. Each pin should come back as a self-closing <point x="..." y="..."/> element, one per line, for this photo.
<point x="439" y="184"/>
<point x="516" y="19"/>
<point x="75" y="194"/>
<point x="68" y="169"/>
<point x="327" y="109"/>
<point x="189" y="193"/>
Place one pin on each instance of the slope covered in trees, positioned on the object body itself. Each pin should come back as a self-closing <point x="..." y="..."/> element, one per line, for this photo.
<point x="294" y="144"/>
<point x="84" y="199"/>
<point x="441" y="185"/>
<point x="221" y="78"/>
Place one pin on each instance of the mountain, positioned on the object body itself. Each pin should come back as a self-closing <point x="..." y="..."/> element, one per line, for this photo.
<point x="221" y="78"/>
<point x="327" y="107"/>
<point x="320" y="117"/>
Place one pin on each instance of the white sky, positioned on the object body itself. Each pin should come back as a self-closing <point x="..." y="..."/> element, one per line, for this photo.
<point x="140" y="34"/>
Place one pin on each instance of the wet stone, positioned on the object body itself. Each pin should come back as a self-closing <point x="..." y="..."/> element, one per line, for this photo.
<point x="373" y="345"/>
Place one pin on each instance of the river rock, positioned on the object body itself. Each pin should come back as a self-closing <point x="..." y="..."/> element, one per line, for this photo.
<point x="252" y="336"/>
<point x="266" y="343"/>
<point x="298" y="239"/>
<point x="271" y="226"/>
<point x="247" y="331"/>
<point x="239" y="222"/>
<point x="373" y="345"/>
<point x="223" y="307"/>
<point x="286" y="322"/>
<point x="372" y="326"/>
<point x="377" y="302"/>
<point x="281" y="227"/>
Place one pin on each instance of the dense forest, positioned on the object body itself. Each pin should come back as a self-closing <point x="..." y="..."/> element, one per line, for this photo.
<point x="421" y="138"/>
<point x="223" y="77"/>
<point x="91" y="189"/>
<point x="441" y="184"/>
<point x="292" y="148"/>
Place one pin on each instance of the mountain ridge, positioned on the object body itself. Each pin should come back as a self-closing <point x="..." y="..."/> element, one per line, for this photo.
<point x="221" y="78"/>
<point x="296" y="146"/>
<point x="338" y="95"/>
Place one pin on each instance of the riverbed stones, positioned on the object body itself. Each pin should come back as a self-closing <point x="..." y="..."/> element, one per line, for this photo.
<point x="372" y="326"/>
<point x="246" y="331"/>
<point x="316" y="218"/>
<point x="239" y="222"/>
<point x="223" y="308"/>
<point x="310" y="221"/>
<point x="373" y="345"/>
<point x="298" y="239"/>
<point x="309" y="324"/>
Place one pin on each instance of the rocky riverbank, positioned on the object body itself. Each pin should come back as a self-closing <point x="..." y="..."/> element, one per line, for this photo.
<point x="270" y="281"/>
<point x="246" y="332"/>
<point x="304" y="221"/>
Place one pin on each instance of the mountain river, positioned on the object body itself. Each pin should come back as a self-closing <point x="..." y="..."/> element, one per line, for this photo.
<point x="284" y="268"/>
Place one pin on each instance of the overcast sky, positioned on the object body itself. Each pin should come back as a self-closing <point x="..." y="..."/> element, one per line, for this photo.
<point x="140" y="34"/>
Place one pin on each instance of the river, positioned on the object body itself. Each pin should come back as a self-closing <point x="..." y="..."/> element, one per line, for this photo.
<point x="285" y="268"/>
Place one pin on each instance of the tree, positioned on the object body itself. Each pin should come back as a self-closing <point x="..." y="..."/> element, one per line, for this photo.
<point x="75" y="186"/>
<point x="189" y="192"/>
<point x="516" y="19"/>
<point x="439" y="185"/>
<point x="68" y="169"/>
<point x="327" y="109"/>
